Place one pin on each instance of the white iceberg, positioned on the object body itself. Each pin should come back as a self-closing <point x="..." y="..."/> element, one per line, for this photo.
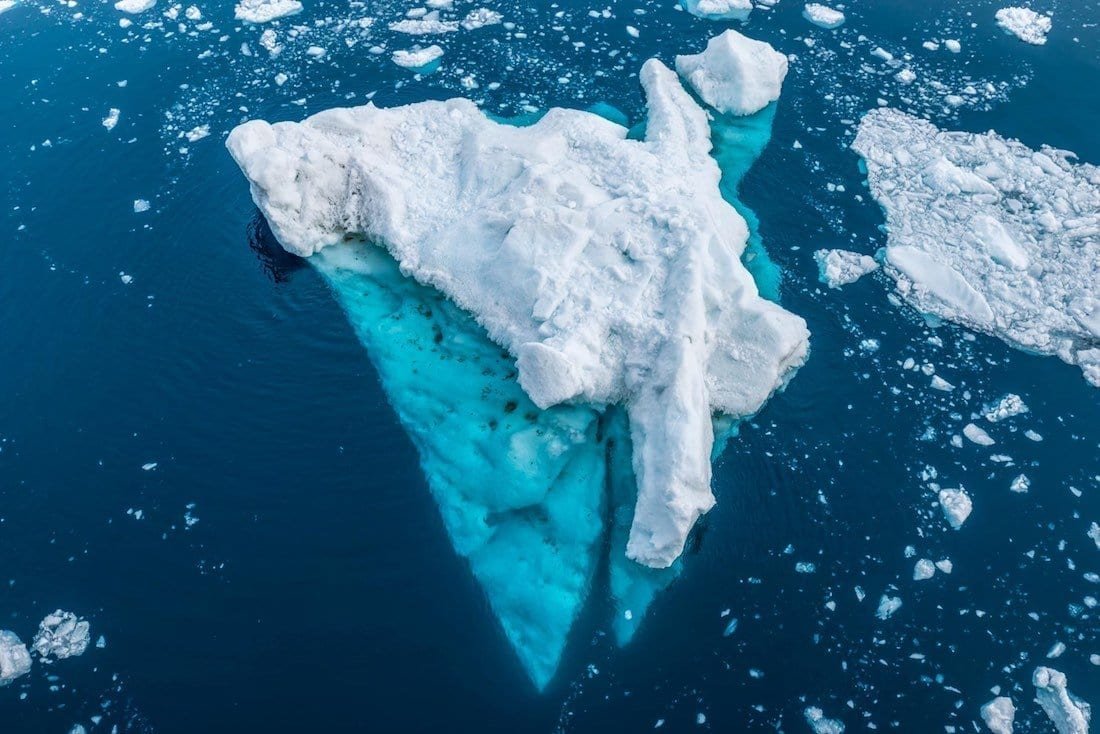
<point x="1069" y="714"/>
<point x="481" y="17"/>
<point x="719" y="9"/>
<point x="999" y="714"/>
<point x="819" y="724"/>
<point x="1008" y="406"/>
<point x="417" y="57"/>
<point x="735" y="74"/>
<point x="988" y="233"/>
<point x="956" y="506"/>
<point x="264" y="11"/>
<point x="609" y="268"/>
<point x="134" y="6"/>
<point x="924" y="570"/>
<point x="15" y="661"/>
<point x="1025" y="24"/>
<point x="887" y="606"/>
<point x="61" y="635"/>
<point x="837" y="268"/>
<point x="823" y="15"/>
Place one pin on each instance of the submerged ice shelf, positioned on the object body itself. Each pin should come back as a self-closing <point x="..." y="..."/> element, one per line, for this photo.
<point x="611" y="271"/>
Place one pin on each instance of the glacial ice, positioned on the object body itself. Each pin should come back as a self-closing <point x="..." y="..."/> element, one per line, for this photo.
<point x="1025" y="24"/>
<point x="61" y="635"/>
<point x="6" y="5"/>
<point x="735" y="74"/>
<point x="609" y="267"/>
<point x="1069" y="714"/>
<point x="823" y="15"/>
<point x="988" y="233"/>
<point x="134" y="6"/>
<point x="887" y="606"/>
<point x="819" y="724"/>
<point x="15" y="661"/>
<point x="509" y="476"/>
<point x="999" y="715"/>
<point x="838" y="268"/>
<point x="719" y="9"/>
<point x="956" y="506"/>
<point x="265" y="11"/>
<point x="417" y="57"/>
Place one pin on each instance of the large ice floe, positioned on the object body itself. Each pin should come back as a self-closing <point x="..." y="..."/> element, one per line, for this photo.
<point x="608" y="268"/>
<point x="719" y="9"/>
<point x="1068" y="713"/>
<point x="989" y="233"/>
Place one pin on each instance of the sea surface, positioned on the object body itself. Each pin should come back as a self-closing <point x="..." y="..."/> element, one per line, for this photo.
<point x="198" y="457"/>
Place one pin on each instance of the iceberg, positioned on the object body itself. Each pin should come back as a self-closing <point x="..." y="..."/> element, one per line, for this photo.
<point x="265" y="11"/>
<point x="719" y="9"/>
<point x="838" y="268"/>
<point x="585" y="334"/>
<point x="1025" y="24"/>
<point x="956" y="505"/>
<point x="990" y="234"/>
<point x="999" y="715"/>
<point x="15" y="661"/>
<point x="1069" y="714"/>
<point x="823" y="16"/>
<point x="735" y="74"/>
<point x="61" y="635"/>
<point x="417" y="57"/>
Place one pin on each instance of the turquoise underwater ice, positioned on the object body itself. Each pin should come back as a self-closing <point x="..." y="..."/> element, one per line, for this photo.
<point x="534" y="500"/>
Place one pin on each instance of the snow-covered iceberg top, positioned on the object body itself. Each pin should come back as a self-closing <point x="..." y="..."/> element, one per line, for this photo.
<point x="822" y="15"/>
<point x="836" y="268"/>
<point x="735" y="74"/>
<point x="988" y="233"/>
<point x="609" y="268"/>
<point x="1025" y="24"/>
<point x="719" y="9"/>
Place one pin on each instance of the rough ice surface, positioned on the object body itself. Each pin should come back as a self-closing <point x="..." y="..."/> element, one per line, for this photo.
<point x="999" y="715"/>
<point x="815" y="717"/>
<point x="61" y="635"/>
<point x="823" y="15"/>
<point x="609" y="268"/>
<point x="1007" y="407"/>
<point x="887" y="605"/>
<point x="134" y="6"/>
<point x="837" y="268"/>
<point x="735" y="74"/>
<point x="988" y="233"/>
<point x="1069" y="714"/>
<point x="481" y="17"/>
<point x="15" y="661"/>
<point x="923" y="570"/>
<point x="956" y="506"/>
<point x="264" y="11"/>
<point x="719" y="9"/>
<point x="976" y="434"/>
<point x="1094" y="534"/>
<point x="1025" y="24"/>
<point x="416" y="57"/>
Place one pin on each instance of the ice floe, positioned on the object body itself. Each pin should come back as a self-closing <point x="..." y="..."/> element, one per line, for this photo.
<point x="1008" y="406"/>
<point x="735" y="74"/>
<point x="887" y="606"/>
<point x="999" y="714"/>
<point x="6" y="5"/>
<point x="976" y="434"/>
<point x="823" y="15"/>
<point x="134" y="6"/>
<point x="265" y="11"/>
<point x="819" y="724"/>
<point x="924" y="570"/>
<point x="1025" y="24"/>
<point x="61" y="635"/>
<point x="1069" y="714"/>
<point x="15" y="661"/>
<point x="417" y="57"/>
<point x="838" y="268"/>
<point x="719" y="9"/>
<point x="610" y="268"/>
<point x="988" y="233"/>
<point x="111" y="119"/>
<point x="956" y="506"/>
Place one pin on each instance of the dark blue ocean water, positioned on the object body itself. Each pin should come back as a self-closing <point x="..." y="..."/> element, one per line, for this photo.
<point x="318" y="589"/>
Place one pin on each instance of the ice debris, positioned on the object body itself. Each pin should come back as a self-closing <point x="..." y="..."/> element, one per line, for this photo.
<point x="924" y="570"/>
<point x="61" y="635"/>
<point x="609" y="268"/>
<point x="976" y="434"/>
<point x="111" y="119"/>
<point x="999" y="714"/>
<point x="837" y="268"/>
<point x="956" y="506"/>
<point x="1069" y="714"/>
<point x="264" y="11"/>
<point x="823" y="15"/>
<point x="1025" y="24"/>
<point x="719" y="9"/>
<point x="1094" y="533"/>
<point x="815" y="717"/>
<point x="134" y="6"/>
<point x="988" y="233"/>
<point x="1008" y="406"/>
<point x="735" y="74"/>
<point x="417" y="57"/>
<point x="887" y="605"/>
<point x="14" y="658"/>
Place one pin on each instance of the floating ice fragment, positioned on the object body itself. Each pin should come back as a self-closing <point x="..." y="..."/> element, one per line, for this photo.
<point x="264" y="11"/>
<point x="429" y="24"/>
<point x="197" y="133"/>
<point x="956" y="506"/>
<point x="906" y="76"/>
<point x="134" y="6"/>
<point x="15" y="661"/>
<point x="111" y="119"/>
<point x="1056" y="650"/>
<point x="481" y="17"/>
<point x="719" y="9"/>
<point x="1069" y="714"/>
<point x="887" y="605"/>
<point x="924" y="570"/>
<point x="735" y="74"/>
<point x="805" y="567"/>
<point x="61" y="635"/>
<point x="730" y="628"/>
<point x="1094" y="533"/>
<point x="837" y="268"/>
<point x="417" y="57"/>
<point x="815" y="717"/>
<point x="969" y="216"/>
<point x="976" y="434"/>
<point x="140" y="205"/>
<point x="1020" y="484"/>
<point x="1007" y="407"/>
<point x="6" y="5"/>
<point x="938" y="383"/>
<point x="945" y="565"/>
<point x="149" y="466"/>
<point x="952" y="45"/>
<point x="823" y="15"/>
<point x="999" y="714"/>
<point x="1025" y="24"/>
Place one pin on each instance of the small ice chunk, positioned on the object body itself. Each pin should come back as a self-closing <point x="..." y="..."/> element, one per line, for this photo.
<point x="999" y="714"/>
<point x="938" y="383"/>
<point x="61" y="635"/>
<point x="197" y="133"/>
<point x="1006" y="407"/>
<point x="977" y="435"/>
<point x="1094" y="533"/>
<point x="264" y="11"/>
<point x="837" y="268"/>
<point x="906" y="76"/>
<point x="14" y="658"/>
<point x="815" y="717"/>
<point x="417" y="57"/>
<point x="1025" y="24"/>
<point x="429" y="24"/>
<point x="945" y="565"/>
<point x="887" y="605"/>
<point x="735" y="74"/>
<point x="1069" y="714"/>
<point x="952" y="45"/>
<point x="924" y="570"/>
<point x="823" y="15"/>
<point x="111" y="119"/>
<point x="1056" y="650"/>
<point x="134" y="6"/>
<point x="6" y="5"/>
<point x="481" y="17"/>
<point x="956" y="506"/>
<point x="719" y="9"/>
<point x="140" y="205"/>
<point x="1020" y="484"/>
<point x="730" y="628"/>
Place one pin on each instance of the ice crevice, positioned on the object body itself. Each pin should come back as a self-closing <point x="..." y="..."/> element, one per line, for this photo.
<point x="609" y="269"/>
